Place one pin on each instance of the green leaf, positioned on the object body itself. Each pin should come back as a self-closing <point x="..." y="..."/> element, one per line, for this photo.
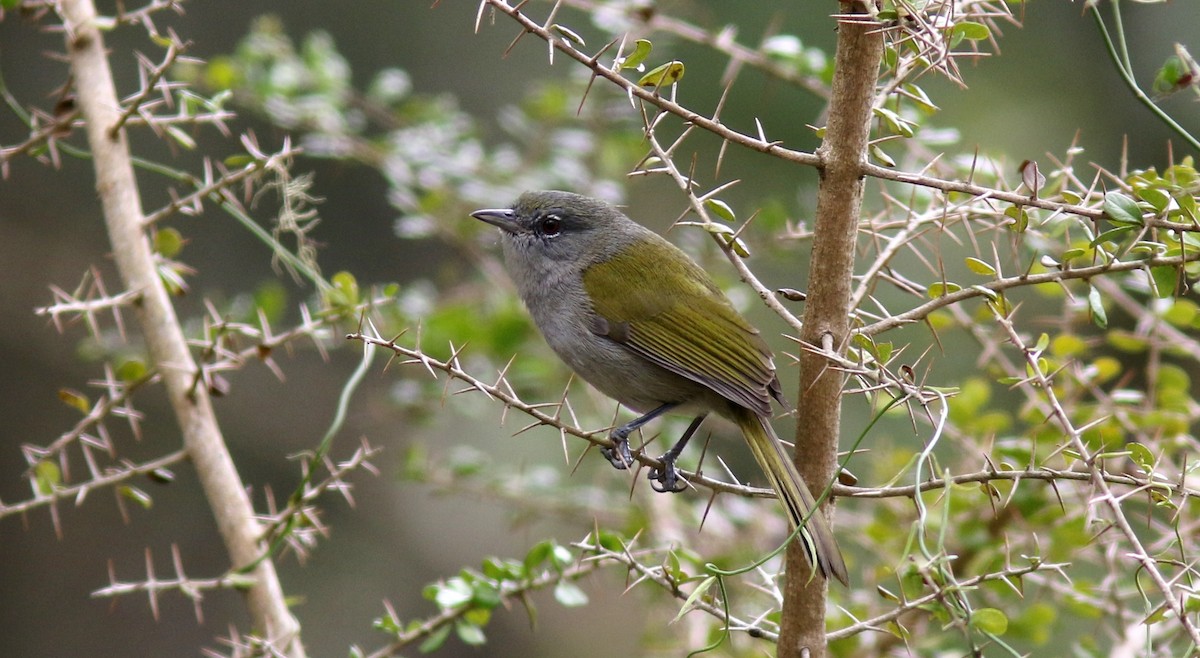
<point x="694" y="597"/>
<point x="918" y="96"/>
<point x="435" y="640"/>
<point x="485" y="595"/>
<point x="896" y="124"/>
<point x="453" y="594"/>
<point x="942" y="289"/>
<point x="1112" y="235"/>
<point x="569" y="595"/>
<point x="980" y="267"/>
<point x="1156" y="197"/>
<point x="787" y="47"/>
<point x="75" y="399"/>
<point x="182" y="138"/>
<point x="1182" y="313"/>
<point x="568" y="33"/>
<point x="132" y="370"/>
<point x="641" y="50"/>
<point x="1141" y="456"/>
<point x="1019" y="216"/>
<point x="48" y="476"/>
<point x="469" y="633"/>
<point x="989" y="620"/>
<point x="970" y="31"/>
<point x="136" y="495"/>
<point x="562" y="557"/>
<point x="663" y="75"/>
<point x="1166" y="281"/>
<point x="720" y="209"/>
<point x="345" y="293"/>
<point x="537" y="555"/>
<point x="1096" y="306"/>
<point x="168" y="242"/>
<point x="1121" y="209"/>
<point x="880" y="155"/>
<point x="1042" y="343"/>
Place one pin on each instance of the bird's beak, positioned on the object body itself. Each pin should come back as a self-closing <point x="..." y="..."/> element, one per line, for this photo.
<point x="502" y="218"/>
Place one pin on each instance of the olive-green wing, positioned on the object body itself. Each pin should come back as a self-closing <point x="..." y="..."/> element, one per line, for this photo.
<point x="662" y="306"/>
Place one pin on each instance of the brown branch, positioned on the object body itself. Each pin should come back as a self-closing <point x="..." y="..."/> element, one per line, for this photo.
<point x="827" y="311"/>
<point x="134" y="257"/>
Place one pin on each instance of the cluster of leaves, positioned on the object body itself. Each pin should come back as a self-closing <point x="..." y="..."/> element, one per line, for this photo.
<point x="465" y="602"/>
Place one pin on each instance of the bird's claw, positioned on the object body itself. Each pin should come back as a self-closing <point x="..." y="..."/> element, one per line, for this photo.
<point x="666" y="479"/>
<point x="618" y="455"/>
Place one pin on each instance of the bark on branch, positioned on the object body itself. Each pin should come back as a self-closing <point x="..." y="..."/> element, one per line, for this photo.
<point x="826" y="315"/>
<point x="117" y="188"/>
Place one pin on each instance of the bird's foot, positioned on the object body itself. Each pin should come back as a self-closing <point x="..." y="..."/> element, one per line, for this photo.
<point x="618" y="455"/>
<point x="666" y="479"/>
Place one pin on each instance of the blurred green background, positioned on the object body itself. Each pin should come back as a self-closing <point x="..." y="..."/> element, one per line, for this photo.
<point x="1051" y="84"/>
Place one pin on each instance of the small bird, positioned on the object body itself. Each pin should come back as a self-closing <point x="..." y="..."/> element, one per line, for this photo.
<point x="640" y="321"/>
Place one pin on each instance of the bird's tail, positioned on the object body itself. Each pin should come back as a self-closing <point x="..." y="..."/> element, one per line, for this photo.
<point x="773" y="459"/>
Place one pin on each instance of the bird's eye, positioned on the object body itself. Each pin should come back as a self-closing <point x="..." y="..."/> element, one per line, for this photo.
<point x="551" y="225"/>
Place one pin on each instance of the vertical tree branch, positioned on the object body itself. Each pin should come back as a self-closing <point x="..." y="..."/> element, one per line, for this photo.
<point x="826" y="316"/>
<point x="117" y="188"/>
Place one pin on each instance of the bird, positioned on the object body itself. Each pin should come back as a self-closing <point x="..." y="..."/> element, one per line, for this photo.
<point x="637" y="318"/>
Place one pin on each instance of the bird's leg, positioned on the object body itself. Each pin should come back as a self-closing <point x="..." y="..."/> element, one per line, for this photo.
<point x="668" y="478"/>
<point x="619" y="455"/>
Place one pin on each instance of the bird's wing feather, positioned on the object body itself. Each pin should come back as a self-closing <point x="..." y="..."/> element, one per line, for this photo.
<point x="682" y="323"/>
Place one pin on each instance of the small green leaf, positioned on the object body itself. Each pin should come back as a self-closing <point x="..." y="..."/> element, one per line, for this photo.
<point x="1166" y="281"/>
<point x="569" y="34"/>
<point x="641" y="50"/>
<point x="562" y="557"/>
<point x="136" y="495"/>
<point x="917" y="95"/>
<point x="989" y="620"/>
<point x="485" y="595"/>
<point x="896" y="124"/>
<point x="970" y="31"/>
<point x="183" y="139"/>
<point x="131" y="370"/>
<point x="694" y="597"/>
<point x="721" y="209"/>
<point x="1141" y="456"/>
<point x="345" y="293"/>
<point x="1042" y="343"/>
<point x="453" y="594"/>
<point x="787" y="47"/>
<point x="880" y="155"/>
<point x="435" y="640"/>
<point x="569" y="595"/>
<point x="1019" y="216"/>
<point x="537" y="555"/>
<point x="1156" y="197"/>
<point x="980" y="267"/>
<point x="663" y="75"/>
<point x="48" y="476"/>
<point x="1096" y="306"/>
<point x="74" y="399"/>
<point x="942" y="289"/>
<point x="1112" y="235"/>
<point x="470" y="634"/>
<point x="168" y="242"/>
<point x="1121" y="209"/>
